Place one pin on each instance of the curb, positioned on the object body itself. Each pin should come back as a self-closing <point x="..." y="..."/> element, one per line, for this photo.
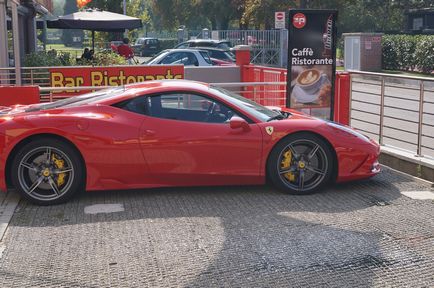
<point x="403" y="161"/>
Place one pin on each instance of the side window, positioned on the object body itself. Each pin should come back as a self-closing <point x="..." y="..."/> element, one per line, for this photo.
<point x="205" y="56"/>
<point x="190" y="59"/>
<point x="188" y="107"/>
<point x="172" y="58"/>
<point x="137" y="105"/>
<point x="223" y="45"/>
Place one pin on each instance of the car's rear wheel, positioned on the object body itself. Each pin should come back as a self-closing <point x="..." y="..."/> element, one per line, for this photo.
<point x="47" y="171"/>
<point x="300" y="164"/>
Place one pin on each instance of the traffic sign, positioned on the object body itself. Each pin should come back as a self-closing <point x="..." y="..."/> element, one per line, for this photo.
<point x="279" y="20"/>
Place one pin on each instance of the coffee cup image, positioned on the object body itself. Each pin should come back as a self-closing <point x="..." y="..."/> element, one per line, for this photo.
<point x="309" y="80"/>
<point x="308" y="84"/>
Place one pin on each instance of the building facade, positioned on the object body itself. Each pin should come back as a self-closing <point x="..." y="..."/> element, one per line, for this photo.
<point x="18" y="30"/>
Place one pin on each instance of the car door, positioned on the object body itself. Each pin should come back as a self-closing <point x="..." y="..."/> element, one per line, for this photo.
<point x="186" y="139"/>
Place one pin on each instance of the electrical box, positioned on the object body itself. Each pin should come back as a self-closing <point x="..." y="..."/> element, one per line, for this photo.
<point x="362" y="51"/>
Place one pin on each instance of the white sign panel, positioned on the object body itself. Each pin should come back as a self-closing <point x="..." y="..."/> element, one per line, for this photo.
<point x="279" y="20"/>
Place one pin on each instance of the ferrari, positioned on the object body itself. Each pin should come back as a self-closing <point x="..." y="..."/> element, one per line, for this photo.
<point x="172" y="133"/>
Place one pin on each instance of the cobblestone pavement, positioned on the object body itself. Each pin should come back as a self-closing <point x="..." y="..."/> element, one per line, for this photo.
<point x="363" y="234"/>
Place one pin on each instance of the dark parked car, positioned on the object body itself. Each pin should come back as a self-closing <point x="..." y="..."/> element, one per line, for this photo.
<point x="146" y="46"/>
<point x="222" y="44"/>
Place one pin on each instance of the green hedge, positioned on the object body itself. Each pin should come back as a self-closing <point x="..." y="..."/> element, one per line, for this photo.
<point x="408" y="52"/>
<point x="54" y="58"/>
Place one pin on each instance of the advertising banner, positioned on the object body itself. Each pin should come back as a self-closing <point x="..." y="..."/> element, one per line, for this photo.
<point x="311" y="61"/>
<point x="109" y="76"/>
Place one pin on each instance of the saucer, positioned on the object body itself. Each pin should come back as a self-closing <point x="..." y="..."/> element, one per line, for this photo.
<point x="301" y="96"/>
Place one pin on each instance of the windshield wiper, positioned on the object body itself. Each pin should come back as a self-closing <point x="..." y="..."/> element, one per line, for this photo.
<point x="276" y="117"/>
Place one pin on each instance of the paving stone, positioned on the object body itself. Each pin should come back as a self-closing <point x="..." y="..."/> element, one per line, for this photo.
<point x="361" y="234"/>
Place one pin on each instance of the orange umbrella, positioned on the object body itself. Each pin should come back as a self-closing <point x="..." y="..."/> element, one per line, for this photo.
<point x="81" y="3"/>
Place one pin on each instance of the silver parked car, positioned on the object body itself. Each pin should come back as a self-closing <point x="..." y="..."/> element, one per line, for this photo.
<point x="186" y="57"/>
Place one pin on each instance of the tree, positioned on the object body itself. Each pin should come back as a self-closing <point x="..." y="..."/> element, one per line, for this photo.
<point x="139" y="9"/>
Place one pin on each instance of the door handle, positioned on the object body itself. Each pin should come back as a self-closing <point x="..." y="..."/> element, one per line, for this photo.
<point x="149" y="132"/>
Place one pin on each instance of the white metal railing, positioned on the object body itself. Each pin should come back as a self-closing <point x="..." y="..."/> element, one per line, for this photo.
<point x="396" y="110"/>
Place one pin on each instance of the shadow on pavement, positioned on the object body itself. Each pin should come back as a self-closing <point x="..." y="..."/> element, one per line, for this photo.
<point x="224" y="236"/>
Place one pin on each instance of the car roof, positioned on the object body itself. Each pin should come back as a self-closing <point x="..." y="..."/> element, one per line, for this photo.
<point x="157" y="86"/>
<point x="190" y="49"/>
<point x="147" y="38"/>
<point x="207" y="48"/>
<point x="206" y="40"/>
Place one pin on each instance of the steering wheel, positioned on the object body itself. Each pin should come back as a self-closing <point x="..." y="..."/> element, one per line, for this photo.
<point x="210" y="111"/>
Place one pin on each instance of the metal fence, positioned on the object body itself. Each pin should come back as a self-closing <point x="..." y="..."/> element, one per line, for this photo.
<point x="39" y="76"/>
<point x="269" y="87"/>
<point x="268" y="46"/>
<point x="397" y="111"/>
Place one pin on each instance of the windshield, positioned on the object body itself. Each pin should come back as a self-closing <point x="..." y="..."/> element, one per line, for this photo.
<point x="156" y="58"/>
<point x="253" y="108"/>
<point x="80" y="100"/>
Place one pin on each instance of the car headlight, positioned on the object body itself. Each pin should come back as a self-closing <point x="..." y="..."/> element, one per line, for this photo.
<point x="348" y="130"/>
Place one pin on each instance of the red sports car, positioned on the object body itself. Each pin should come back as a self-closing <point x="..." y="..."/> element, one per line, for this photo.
<point x="172" y="133"/>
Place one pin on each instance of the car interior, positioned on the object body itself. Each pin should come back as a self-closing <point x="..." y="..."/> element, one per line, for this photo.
<point x="183" y="107"/>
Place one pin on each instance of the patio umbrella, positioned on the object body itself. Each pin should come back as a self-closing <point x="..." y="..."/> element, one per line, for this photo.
<point x="95" y="20"/>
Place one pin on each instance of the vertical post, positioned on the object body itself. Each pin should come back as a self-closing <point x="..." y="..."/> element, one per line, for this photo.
<point x="419" y="127"/>
<point x="125" y="13"/>
<point x="16" y="38"/>
<point x="383" y="82"/>
<point x="31" y="76"/>
<point x="4" y="55"/>
<point x="283" y="49"/>
<point x="350" y="105"/>
<point x="337" y="104"/>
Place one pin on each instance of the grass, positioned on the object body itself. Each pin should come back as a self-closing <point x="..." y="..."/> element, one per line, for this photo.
<point x="74" y="51"/>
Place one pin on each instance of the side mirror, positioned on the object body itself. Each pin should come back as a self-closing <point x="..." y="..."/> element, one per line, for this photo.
<point x="238" y="122"/>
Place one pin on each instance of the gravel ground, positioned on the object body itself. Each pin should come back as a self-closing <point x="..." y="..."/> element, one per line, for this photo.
<point x="363" y="234"/>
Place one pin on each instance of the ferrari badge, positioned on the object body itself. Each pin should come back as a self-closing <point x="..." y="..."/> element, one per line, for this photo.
<point x="269" y="130"/>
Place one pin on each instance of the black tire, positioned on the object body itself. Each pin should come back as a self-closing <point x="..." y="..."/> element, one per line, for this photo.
<point x="47" y="171"/>
<point x="143" y="54"/>
<point x="306" y="168"/>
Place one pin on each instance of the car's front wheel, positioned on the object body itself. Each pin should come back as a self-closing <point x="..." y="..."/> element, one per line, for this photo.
<point x="47" y="171"/>
<point x="300" y="164"/>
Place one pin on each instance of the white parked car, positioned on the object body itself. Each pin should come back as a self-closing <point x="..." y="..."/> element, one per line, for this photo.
<point x="185" y="57"/>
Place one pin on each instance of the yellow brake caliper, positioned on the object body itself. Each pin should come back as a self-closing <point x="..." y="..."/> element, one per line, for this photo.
<point x="285" y="164"/>
<point x="59" y="163"/>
